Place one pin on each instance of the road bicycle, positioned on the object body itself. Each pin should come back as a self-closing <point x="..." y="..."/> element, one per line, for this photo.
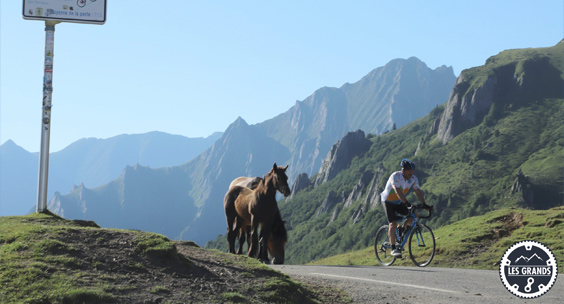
<point x="419" y="237"/>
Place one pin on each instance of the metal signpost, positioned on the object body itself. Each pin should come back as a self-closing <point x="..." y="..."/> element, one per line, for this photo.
<point x="54" y="12"/>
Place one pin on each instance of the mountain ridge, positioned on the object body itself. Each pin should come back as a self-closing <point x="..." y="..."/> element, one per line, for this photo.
<point x="89" y="161"/>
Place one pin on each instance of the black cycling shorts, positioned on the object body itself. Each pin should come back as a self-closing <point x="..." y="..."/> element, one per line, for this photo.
<point x="390" y="209"/>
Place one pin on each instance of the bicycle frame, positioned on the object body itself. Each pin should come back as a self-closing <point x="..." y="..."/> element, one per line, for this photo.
<point x="407" y="233"/>
<point x="418" y="237"/>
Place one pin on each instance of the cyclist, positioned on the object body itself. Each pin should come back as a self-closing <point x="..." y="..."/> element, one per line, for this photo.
<point x="394" y="200"/>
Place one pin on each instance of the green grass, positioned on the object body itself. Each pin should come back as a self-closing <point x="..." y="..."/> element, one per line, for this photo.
<point x="30" y="260"/>
<point x="156" y="244"/>
<point x="283" y="290"/>
<point x="480" y="241"/>
<point x="38" y="265"/>
<point x="234" y="297"/>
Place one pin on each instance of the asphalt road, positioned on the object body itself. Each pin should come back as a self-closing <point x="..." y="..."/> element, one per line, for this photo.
<point x="375" y="284"/>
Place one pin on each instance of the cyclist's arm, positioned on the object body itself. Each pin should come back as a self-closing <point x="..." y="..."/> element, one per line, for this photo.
<point x="420" y="196"/>
<point x="400" y="193"/>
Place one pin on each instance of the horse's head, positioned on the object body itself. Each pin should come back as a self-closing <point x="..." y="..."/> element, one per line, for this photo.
<point x="277" y="241"/>
<point x="280" y="179"/>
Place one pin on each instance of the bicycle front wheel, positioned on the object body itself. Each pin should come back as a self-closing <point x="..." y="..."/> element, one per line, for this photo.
<point x="382" y="247"/>
<point x="422" y="245"/>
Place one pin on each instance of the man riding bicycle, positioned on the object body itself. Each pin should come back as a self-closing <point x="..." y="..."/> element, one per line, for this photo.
<point x="394" y="200"/>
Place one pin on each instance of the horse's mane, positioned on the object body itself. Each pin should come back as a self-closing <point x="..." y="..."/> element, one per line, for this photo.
<point x="263" y="183"/>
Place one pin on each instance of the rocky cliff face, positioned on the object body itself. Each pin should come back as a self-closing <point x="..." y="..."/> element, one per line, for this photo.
<point x="465" y="109"/>
<point x="300" y="183"/>
<point x="367" y="188"/>
<point x="398" y="93"/>
<point x="522" y="187"/>
<point x="329" y="203"/>
<point x="328" y="123"/>
<point x="141" y="198"/>
<point x="359" y="189"/>
<point x="341" y="155"/>
<point x="506" y="80"/>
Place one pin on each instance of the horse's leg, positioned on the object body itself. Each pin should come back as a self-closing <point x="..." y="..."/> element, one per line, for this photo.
<point x="232" y="232"/>
<point x="264" y="236"/>
<point x="248" y="233"/>
<point x="242" y="237"/>
<point x="254" y="237"/>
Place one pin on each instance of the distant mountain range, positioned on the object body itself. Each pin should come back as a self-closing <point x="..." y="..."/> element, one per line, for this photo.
<point x="91" y="162"/>
<point x="186" y="201"/>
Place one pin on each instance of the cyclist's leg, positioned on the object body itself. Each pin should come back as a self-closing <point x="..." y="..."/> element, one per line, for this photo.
<point x="402" y="209"/>
<point x="392" y="221"/>
<point x="390" y="208"/>
<point x="392" y="233"/>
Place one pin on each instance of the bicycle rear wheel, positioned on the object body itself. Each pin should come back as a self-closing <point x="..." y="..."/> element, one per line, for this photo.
<point x="422" y="245"/>
<point x="382" y="247"/>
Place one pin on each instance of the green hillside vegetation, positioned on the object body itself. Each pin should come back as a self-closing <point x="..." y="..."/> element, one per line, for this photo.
<point x="474" y="173"/>
<point x="480" y="241"/>
<point x="47" y="259"/>
<point x="471" y="175"/>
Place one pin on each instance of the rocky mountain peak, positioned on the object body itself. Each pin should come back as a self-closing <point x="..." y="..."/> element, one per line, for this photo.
<point x="511" y="78"/>
<point x="341" y="155"/>
<point x="300" y="183"/>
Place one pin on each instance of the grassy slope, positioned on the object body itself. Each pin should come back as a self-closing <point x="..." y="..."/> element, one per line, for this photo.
<point x="471" y="175"/>
<point x="47" y="259"/>
<point x="479" y="242"/>
<point x="30" y="257"/>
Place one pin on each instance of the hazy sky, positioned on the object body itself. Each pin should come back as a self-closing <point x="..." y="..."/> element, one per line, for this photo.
<point x="192" y="67"/>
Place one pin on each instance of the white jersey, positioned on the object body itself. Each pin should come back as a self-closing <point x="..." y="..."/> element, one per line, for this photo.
<point x="396" y="179"/>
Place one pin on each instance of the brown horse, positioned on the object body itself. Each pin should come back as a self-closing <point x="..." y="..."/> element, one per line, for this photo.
<point x="245" y="232"/>
<point x="245" y="207"/>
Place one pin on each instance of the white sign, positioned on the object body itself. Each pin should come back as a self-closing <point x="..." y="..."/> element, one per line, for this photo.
<point x="81" y="11"/>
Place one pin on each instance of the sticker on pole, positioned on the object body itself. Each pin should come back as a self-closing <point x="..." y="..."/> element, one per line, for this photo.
<point x="81" y="11"/>
<point x="528" y="269"/>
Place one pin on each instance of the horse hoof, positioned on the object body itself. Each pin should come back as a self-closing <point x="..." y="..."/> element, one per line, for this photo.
<point x="264" y="261"/>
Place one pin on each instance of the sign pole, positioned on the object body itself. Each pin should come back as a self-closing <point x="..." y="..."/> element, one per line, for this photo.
<point x="46" y="117"/>
<point x="54" y="12"/>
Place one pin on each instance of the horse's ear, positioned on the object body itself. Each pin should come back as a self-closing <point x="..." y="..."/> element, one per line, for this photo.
<point x="284" y="169"/>
<point x="275" y="167"/>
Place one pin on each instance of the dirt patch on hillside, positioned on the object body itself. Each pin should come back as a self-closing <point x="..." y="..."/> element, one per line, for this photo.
<point x="502" y="226"/>
<point x="136" y="267"/>
<point x="511" y="222"/>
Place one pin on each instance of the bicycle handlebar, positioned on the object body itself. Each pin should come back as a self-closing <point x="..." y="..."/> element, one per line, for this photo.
<point x="420" y="206"/>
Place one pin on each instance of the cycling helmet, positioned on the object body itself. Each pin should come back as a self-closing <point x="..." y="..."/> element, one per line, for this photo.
<point x="407" y="164"/>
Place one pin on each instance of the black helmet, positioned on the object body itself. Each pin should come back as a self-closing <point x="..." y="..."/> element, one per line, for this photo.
<point x="407" y="164"/>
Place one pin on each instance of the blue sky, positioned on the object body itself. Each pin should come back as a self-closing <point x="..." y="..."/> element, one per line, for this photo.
<point x="192" y="67"/>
